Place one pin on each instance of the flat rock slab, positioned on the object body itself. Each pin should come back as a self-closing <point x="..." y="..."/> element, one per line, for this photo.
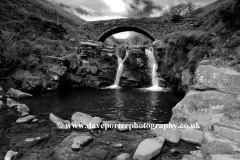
<point x="232" y="134"/>
<point x="214" y="137"/>
<point x="222" y="79"/>
<point x="27" y="140"/>
<point x="225" y="156"/>
<point x="81" y="141"/>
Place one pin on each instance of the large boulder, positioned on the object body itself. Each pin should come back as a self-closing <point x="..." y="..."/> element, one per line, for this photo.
<point x="14" y="93"/>
<point x="222" y="79"/>
<point x="199" y="107"/>
<point x="149" y="148"/>
<point x="81" y="118"/>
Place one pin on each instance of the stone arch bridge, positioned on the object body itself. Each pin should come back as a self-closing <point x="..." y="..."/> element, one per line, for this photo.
<point x="153" y="28"/>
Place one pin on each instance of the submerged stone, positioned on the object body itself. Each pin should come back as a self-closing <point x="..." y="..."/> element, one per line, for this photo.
<point x="25" y="119"/>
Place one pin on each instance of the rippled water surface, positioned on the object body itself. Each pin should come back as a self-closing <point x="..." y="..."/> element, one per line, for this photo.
<point x="118" y="104"/>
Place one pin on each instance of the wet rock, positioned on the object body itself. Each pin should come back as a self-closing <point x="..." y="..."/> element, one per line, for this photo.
<point x="35" y="120"/>
<point x="14" y="93"/>
<point x="28" y="140"/>
<point x="148" y="149"/>
<point x="22" y="108"/>
<point x="123" y="156"/>
<point x="24" y="114"/>
<point x="222" y="79"/>
<point x="217" y="140"/>
<point x="117" y="145"/>
<point x="81" y="118"/>
<point x="171" y="135"/>
<point x="25" y="119"/>
<point x="81" y="141"/>
<point x="192" y="135"/>
<point x="10" y="154"/>
<point x="61" y="124"/>
<point x="225" y="156"/>
<point x="11" y="103"/>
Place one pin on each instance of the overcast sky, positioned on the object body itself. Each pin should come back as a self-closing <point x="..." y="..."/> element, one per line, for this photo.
<point x="91" y="10"/>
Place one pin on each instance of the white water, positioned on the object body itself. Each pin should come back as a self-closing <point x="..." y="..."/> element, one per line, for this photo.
<point x="154" y="66"/>
<point x="119" y="71"/>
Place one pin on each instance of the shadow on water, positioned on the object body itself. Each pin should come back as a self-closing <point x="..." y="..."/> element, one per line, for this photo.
<point x="118" y="104"/>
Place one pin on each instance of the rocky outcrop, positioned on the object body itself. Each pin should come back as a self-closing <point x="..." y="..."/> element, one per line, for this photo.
<point x="214" y="105"/>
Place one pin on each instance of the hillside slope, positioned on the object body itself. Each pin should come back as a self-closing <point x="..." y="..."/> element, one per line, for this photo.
<point x="30" y="30"/>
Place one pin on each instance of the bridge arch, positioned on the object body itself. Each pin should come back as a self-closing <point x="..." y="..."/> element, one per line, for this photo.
<point x="122" y="28"/>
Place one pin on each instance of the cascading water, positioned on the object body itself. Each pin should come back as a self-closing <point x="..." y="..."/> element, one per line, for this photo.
<point x="119" y="71"/>
<point x="154" y="66"/>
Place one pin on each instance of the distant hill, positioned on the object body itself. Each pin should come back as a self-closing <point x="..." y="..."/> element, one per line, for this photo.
<point x="221" y="17"/>
<point x="212" y="7"/>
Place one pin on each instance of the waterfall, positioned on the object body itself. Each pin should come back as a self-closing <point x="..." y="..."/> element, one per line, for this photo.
<point x="154" y="66"/>
<point x="119" y="71"/>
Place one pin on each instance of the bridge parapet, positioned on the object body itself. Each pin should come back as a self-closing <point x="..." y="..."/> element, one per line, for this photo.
<point x="154" y="28"/>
